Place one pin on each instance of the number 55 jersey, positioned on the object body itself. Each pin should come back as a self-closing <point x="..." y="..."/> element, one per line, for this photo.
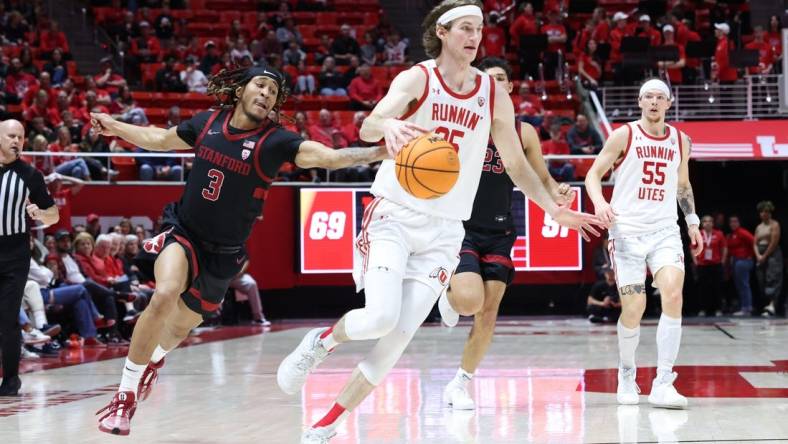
<point x="646" y="181"/>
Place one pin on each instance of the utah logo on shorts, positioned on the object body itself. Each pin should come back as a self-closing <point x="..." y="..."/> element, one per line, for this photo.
<point x="441" y="275"/>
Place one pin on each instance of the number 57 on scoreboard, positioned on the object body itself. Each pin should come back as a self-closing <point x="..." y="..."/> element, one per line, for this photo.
<point x="330" y="218"/>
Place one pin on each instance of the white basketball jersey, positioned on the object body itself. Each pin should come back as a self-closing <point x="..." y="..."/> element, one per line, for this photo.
<point x="646" y="181"/>
<point x="462" y="119"/>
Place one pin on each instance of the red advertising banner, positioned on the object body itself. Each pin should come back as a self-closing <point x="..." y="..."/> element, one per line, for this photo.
<point x="331" y="217"/>
<point x="737" y="140"/>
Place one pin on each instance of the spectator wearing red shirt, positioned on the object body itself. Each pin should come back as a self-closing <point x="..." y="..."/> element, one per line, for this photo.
<point x="556" y="33"/>
<point x="682" y="30"/>
<point x="601" y="25"/>
<point x="351" y="130"/>
<point x="561" y="170"/>
<point x="40" y="108"/>
<point x="765" y="52"/>
<point x="108" y="79"/>
<point x="646" y="30"/>
<point x="17" y="82"/>
<point x="62" y="188"/>
<point x="774" y="36"/>
<point x="323" y="131"/>
<point x="617" y="35"/>
<point x="528" y="106"/>
<point x="44" y="84"/>
<point x="709" y="267"/>
<point x="364" y="91"/>
<point x="674" y="69"/>
<point x="146" y="48"/>
<point x="524" y="24"/>
<point x="589" y="66"/>
<point x="721" y="68"/>
<point x="493" y="38"/>
<point x="54" y="38"/>
<point x="740" y="249"/>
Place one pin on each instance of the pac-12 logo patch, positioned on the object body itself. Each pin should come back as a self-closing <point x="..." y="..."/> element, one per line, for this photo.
<point x="441" y="275"/>
<point x="482" y="101"/>
<point x="245" y="154"/>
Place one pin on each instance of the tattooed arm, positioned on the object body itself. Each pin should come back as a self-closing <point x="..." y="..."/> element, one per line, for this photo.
<point x="686" y="199"/>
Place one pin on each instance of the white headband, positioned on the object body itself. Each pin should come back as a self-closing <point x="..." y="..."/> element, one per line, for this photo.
<point x="460" y="11"/>
<point x="655" y="84"/>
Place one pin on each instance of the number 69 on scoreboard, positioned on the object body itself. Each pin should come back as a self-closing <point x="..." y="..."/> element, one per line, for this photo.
<point x="330" y="218"/>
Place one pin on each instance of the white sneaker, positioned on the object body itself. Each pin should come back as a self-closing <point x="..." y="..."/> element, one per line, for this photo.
<point x="628" y="392"/>
<point x="34" y="336"/>
<point x="449" y="316"/>
<point x="456" y="396"/>
<point x="319" y="435"/>
<point x="664" y="395"/>
<point x="27" y="354"/>
<point x="294" y="369"/>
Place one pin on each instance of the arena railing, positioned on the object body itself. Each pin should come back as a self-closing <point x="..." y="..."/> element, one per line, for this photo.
<point x="753" y="97"/>
<point x="182" y="158"/>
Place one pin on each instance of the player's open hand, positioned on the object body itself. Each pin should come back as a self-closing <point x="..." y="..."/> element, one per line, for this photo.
<point x="606" y="214"/>
<point x="584" y="223"/>
<point x="102" y="122"/>
<point x="696" y="240"/>
<point x="398" y="133"/>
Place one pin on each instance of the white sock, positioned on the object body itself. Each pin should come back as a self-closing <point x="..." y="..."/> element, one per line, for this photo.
<point x="129" y="306"/>
<point x="668" y="342"/>
<point x="39" y="318"/>
<point x="131" y="376"/>
<point x="462" y="377"/>
<point x="158" y="354"/>
<point x="628" y="339"/>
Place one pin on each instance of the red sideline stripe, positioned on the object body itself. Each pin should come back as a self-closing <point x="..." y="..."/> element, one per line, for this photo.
<point x="497" y="259"/>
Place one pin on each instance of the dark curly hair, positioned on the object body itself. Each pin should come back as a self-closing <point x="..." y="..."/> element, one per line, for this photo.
<point x="224" y="84"/>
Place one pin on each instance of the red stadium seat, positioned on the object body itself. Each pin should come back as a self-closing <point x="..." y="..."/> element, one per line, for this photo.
<point x="126" y="167"/>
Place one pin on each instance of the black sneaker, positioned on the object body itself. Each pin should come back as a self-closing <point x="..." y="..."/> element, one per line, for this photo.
<point x="49" y="350"/>
<point x="10" y="387"/>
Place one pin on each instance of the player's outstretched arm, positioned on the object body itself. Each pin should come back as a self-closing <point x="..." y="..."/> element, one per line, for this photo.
<point x="562" y="194"/>
<point x="313" y="154"/>
<point x="150" y="138"/>
<point x="506" y="140"/>
<point x="384" y="123"/>
<point x="686" y="199"/>
<point x="613" y="149"/>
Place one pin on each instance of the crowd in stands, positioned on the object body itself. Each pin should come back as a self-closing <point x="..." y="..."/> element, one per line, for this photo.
<point x="338" y="65"/>
<point x="738" y="273"/>
<point x="87" y="286"/>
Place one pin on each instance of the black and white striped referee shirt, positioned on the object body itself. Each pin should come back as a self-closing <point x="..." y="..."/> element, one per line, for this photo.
<point x="19" y="182"/>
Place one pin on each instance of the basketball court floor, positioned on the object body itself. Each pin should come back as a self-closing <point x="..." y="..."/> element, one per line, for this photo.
<point x="544" y="381"/>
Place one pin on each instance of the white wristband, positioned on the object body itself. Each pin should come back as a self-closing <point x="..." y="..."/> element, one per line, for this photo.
<point x="692" y="219"/>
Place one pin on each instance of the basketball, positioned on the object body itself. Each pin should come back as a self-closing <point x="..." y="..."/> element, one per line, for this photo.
<point x="428" y="166"/>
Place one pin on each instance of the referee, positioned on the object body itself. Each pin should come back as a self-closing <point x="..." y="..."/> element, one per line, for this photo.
<point x="22" y="190"/>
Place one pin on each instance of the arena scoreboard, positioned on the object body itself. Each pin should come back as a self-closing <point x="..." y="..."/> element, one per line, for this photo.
<point x="330" y="219"/>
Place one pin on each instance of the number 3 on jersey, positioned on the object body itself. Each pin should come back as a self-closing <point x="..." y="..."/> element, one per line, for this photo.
<point x="450" y="135"/>
<point x="214" y="188"/>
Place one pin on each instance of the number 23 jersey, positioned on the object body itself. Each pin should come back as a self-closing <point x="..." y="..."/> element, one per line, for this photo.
<point x="231" y="175"/>
<point x="646" y="182"/>
<point x="463" y="120"/>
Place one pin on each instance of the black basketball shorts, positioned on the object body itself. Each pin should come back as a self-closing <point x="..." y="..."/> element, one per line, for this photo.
<point x="488" y="253"/>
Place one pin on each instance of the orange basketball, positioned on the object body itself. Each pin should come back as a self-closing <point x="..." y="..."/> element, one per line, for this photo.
<point x="428" y="166"/>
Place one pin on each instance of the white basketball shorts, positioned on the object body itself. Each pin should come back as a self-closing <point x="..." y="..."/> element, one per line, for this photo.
<point x="632" y="255"/>
<point x="416" y="245"/>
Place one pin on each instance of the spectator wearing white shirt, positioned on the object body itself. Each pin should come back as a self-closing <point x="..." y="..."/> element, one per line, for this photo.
<point x="194" y="79"/>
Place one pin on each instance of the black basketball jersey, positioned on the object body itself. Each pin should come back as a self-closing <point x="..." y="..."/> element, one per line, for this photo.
<point x="231" y="174"/>
<point x="492" y="207"/>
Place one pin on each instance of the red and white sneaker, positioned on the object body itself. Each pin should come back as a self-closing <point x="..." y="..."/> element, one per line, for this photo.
<point x="117" y="419"/>
<point x="148" y="378"/>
